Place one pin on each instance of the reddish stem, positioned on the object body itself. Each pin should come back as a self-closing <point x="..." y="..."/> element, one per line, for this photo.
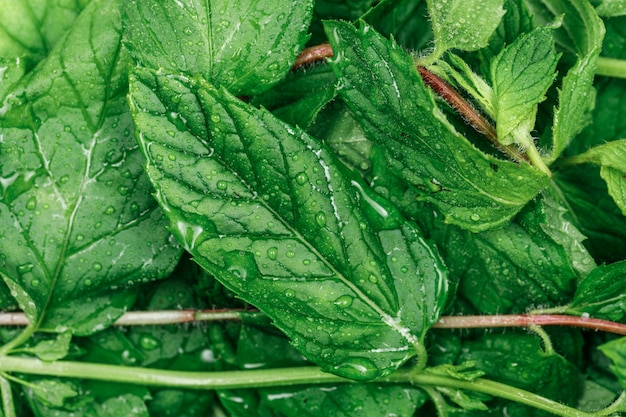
<point x="313" y="54"/>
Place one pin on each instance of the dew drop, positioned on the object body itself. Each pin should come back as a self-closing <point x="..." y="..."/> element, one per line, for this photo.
<point x="215" y="118"/>
<point x="272" y="253"/>
<point x="290" y="254"/>
<point x="359" y="369"/>
<point x="97" y="266"/>
<point x="31" y="204"/>
<point x="475" y="217"/>
<point x="221" y="185"/>
<point x="373" y="279"/>
<point x="64" y="179"/>
<point x="149" y="343"/>
<point x="122" y="189"/>
<point x="302" y="178"/>
<point x="109" y="210"/>
<point x="344" y="301"/>
<point x="35" y="283"/>
<point x="320" y="218"/>
<point x="25" y="268"/>
<point x="289" y="293"/>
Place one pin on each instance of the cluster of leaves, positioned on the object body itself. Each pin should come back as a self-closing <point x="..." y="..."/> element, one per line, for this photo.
<point x="159" y="155"/>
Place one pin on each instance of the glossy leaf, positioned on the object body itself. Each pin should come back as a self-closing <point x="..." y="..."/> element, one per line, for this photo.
<point x="51" y="350"/>
<point x="268" y="211"/>
<point x="465" y="25"/>
<point x="380" y="84"/>
<point x="52" y="393"/>
<point x="580" y="35"/>
<point x="245" y="46"/>
<point x="616" y="351"/>
<point x="611" y="8"/>
<point x="521" y="75"/>
<point x="602" y="293"/>
<point x="77" y="220"/>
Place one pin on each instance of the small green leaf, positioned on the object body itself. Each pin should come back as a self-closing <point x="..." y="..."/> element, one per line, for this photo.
<point x="611" y="157"/>
<point x="125" y="405"/>
<point x="463" y="24"/>
<point x="245" y="46"/>
<point x="580" y="36"/>
<point x="51" y="392"/>
<point x="602" y="293"/>
<point x="270" y="212"/>
<point x="616" y="351"/>
<point x="380" y="84"/>
<point x="51" y="350"/>
<point x="79" y="227"/>
<point x="521" y="75"/>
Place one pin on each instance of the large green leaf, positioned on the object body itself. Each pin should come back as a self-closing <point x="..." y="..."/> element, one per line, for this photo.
<point x="379" y="82"/>
<point x="31" y="28"/>
<point x="602" y="293"/>
<point x="77" y="218"/>
<point x="268" y="211"/>
<point x="244" y="45"/>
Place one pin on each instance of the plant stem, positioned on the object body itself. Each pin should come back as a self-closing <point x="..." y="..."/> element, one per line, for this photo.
<point x="8" y="406"/>
<point x="268" y="378"/>
<point x="611" y="67"/>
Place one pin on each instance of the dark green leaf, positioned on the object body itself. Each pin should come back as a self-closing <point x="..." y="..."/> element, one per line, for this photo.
<point x="52" y="393"/>
<point x="521" y="75"/>
<point x="298" y="99"/>
<point x="379" y="82"/>
<point x="245" y="46"/>
<point x="580" y="36"/>
<point x="77" y="217"/>
<point x="404" y="20"/>
<point x="616" y="351"/>
<point x="465" y="25"/>
<point x="268" y="211"/>
<point x="602" y="293"/>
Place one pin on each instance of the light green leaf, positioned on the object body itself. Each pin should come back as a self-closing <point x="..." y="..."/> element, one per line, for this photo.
<point x="580" y="36"/>
<point x="244" y="45"/>
<point x="463" y="24"/>
<point x="380" y="84"/>
<point x="270" y="212"/>
<point x="611" y="8"/>
<point x="11" y="70"/>
<point x="32" y="27"/>
<point x="77" y="218"/>
<point x="521" y="75"/>
<point x="602" y="293"/>
<point x="51" y="392"/>
<point x="51" y="350"/>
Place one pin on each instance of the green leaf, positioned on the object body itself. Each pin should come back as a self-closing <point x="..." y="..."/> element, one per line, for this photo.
<point x="299" y="98"/>
<point x="268" y="211"/>
<point x="51" y="350"/>
<point x="521" y="75"/>
<point x="602" y="293"/>
<point x="593" y="211"/>
<point x="124" y="405"/>
<point x="11" y="71"/>
<point x="379" y="82"/>
<point x="465" y="25"/>
<point x="616" y="351"/>
<point x="611" y="157"/>
<point x="52" y="393"/>
<point x="78" y="224"/>
<point x="404" y="20"/>
<point x="33" y="27"/>
<point x="245" y="46"/>
<point x="611" y="8"/>
<point x="362" y="400"/>
<point x="580" y="36"/>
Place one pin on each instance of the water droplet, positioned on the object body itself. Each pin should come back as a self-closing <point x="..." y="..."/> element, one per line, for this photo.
<point x="122" y="189"/>
<point x="215" y="118"/>
<point x="320" y="219"/>
<point x="344" y="301"/>
<point x="64" y="179"/>
<point x="359" y="369"/>
<point x="148" y="342"/>
<point x="171" y="157"/>
<point x="88" y="282"/>
<point x="97" y="266"/>
<point x="221" y="185"/>
<point x="289" y="293"/>
<point x="272" y="253"/>
<point x="109" y="210"/>
<point x="302" y="178"/>
<point x="35" y="283"/>
<point x="475" y="217"/>
<point x="31" y="204"/>
<point x="25" y="268"/>
<point x="290" y="254"/>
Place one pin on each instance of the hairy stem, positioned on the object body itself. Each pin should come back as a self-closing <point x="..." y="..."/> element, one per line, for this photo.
<point x="611" y="67"/>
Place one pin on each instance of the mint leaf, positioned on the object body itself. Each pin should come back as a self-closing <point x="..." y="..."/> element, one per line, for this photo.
<point x="31" y="28"/>
<point x="51" y="350"/>
<point x="602" y="293"/>
<point x="612" y="160"/>
<point x="245" y="46"/>
<point x="404" y="19"/>
<point x="78" y="223"/>
<point x="270" y="213"/>
<point x="465" y="25"/>
<point x="580" y="36"/>
<point x="363" y="400"/>
<point x="52" y="393"/>
<point x="616" y="351"/>
<point x="381" y="86"/>
<point x="611" y="8"/>
<point x="521" y="75"/>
